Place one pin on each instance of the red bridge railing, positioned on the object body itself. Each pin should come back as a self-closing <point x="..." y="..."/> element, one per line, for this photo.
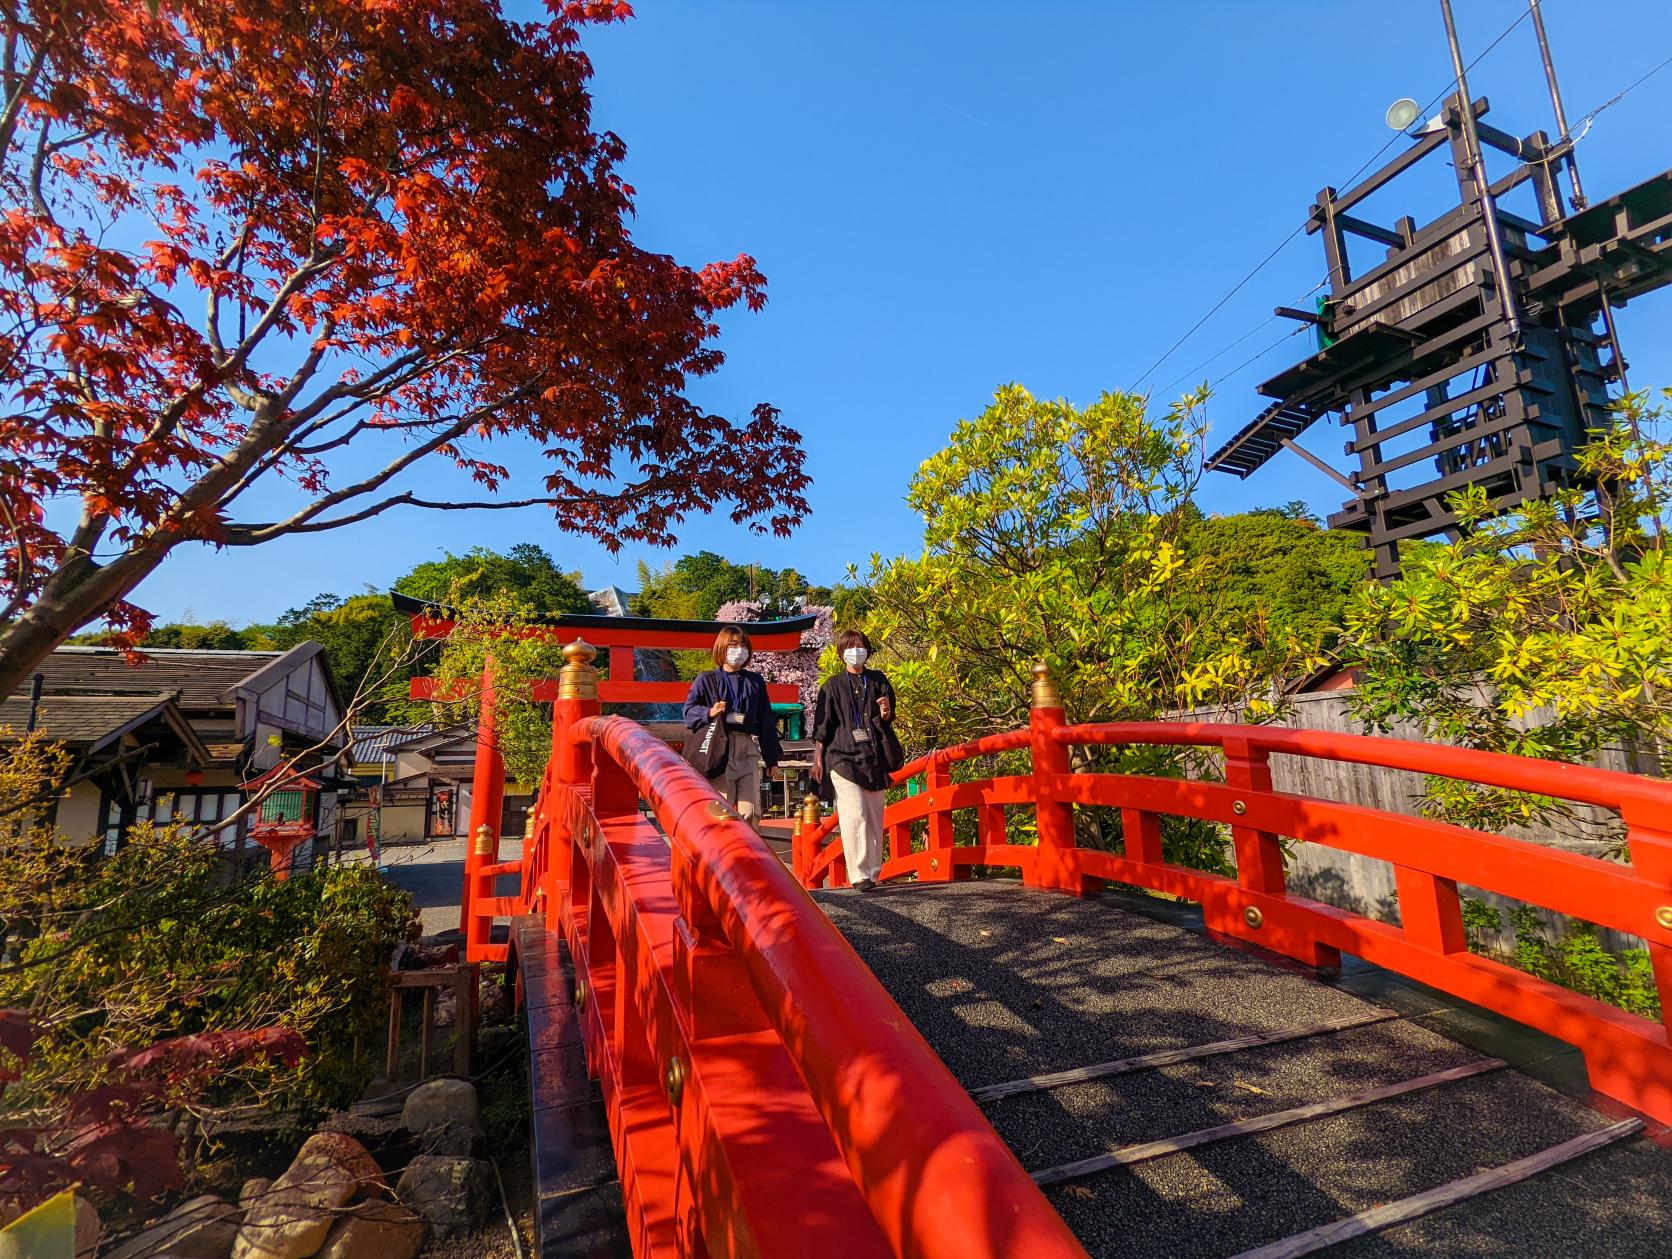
<point x="766" y="1096"/>
<point x="1628" y="1058"/>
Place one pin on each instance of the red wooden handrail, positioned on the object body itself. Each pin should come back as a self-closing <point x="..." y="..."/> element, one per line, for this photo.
<point x="767" y="1096"/>
<point x="1629" y="1058"/>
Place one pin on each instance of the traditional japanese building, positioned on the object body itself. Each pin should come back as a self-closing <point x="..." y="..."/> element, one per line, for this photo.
<point x="180" y="733"/>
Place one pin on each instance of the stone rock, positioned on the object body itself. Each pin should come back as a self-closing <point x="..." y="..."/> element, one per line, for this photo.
<point x="446" y="1012"/>
<point x="255" y="1188"/>
<point x="382" y="1135"/>
<point x="441" y="1101"/>
<point x="293" y="1218"/>
<point x="453" y="1194"/>
<point x="495" y="1044"/>
<point x="493" y="1004"/>
<point x="88" y="1228"/>
<point x="452" y="1140"/>
<point x="376" y="1230"/>
<point x="204" y="1227"/>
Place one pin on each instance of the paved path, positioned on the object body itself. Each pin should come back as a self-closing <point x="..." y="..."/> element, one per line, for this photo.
<point x="434" y="874"/>
<point x="1008" y="983"/>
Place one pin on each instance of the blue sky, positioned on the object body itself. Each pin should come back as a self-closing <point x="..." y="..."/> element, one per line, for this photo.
<point x="947" y="195"/>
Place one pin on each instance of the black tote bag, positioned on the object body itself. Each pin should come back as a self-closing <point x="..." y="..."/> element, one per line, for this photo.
<point x="705" y="749"/>
<point x="706" y="746"/>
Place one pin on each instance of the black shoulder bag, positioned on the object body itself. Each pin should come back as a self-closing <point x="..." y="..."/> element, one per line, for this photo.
<point x="705" y="748"/>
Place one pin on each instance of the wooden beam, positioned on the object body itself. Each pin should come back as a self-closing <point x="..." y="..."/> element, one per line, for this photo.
<point x="1374" y="1219"/>
<point x="1167" y="1057"/>
<point x="1129" y="1154"/>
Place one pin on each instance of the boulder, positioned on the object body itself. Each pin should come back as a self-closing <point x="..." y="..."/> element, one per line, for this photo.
<point x="453" y="1194"/>
<point x="442" y="1101"/>
<point x="293" y="1218"/>
<point x="376" y="1230"/>
<point x="204" y="1227"/>
<point x="382" y="1135"/>
<point x="493" y="1004"/>
<point x="452" y="1140"/>
<point x="255" y="1188"/>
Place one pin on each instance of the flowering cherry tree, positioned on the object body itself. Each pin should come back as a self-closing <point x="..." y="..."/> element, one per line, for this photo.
<point x="257" y="253"/>
<point x="799" y="668"/>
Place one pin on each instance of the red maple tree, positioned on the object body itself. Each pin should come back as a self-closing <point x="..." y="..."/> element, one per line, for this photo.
<point x="322" y="244"/>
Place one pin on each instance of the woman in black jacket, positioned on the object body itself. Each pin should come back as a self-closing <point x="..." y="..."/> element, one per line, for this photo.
<point x="737" y="696"/>
<point x="850" y="708"/>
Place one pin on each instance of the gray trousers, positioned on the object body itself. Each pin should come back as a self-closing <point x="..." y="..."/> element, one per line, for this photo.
<point x="859" y="815"/>
<point x="740" y="783"/>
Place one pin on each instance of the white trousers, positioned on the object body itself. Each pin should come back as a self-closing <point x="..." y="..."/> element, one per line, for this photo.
<point x="859" y="814"/>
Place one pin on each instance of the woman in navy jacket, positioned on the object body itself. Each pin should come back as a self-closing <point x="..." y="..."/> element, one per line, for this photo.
<point x="737" y="696"/>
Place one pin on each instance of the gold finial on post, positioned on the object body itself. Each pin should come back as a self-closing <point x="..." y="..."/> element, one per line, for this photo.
<point x="1045" y="693"/>
<point x="578" y="679"/>
<point x="810" y="810"/>
<point x="484" y="840"/>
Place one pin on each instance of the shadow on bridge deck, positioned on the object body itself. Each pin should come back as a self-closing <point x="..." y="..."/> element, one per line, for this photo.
<point x="1008" y="983"/>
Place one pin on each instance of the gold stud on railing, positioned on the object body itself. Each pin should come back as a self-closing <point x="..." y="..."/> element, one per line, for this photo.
<point x="1239" y="807"/>
<point x="578" y="679"/>
<point x="1253" y="917"/>
<point x="484" y="840"/>
<point x="810" y="810"/>
<point x="1045" y="693"/>
<point x="720" y="811"/>
<point x="1663" y="916"/>
<point x="934" y="863"/>
<point x="580" y="994"/>
<point x="675" y="1080"/>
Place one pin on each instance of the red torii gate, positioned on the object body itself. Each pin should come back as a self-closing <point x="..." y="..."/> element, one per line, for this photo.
<point x="620" y="635"/>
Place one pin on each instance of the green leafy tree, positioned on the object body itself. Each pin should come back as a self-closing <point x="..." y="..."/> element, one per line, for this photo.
<point x="109" y="957"/>
<point x="526" y="573"/>
<point x="1059" y="533"/>
<point x="1545" y="632"/>
<point x="1275" y="571"/>
<point x="490" y="626"/>
<point x="363" y="637"/>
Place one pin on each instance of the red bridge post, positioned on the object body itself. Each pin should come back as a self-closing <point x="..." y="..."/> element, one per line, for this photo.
<point x="1054" y="867"/>
<point x="571" y="767"/>
<point x="487" y="800"/>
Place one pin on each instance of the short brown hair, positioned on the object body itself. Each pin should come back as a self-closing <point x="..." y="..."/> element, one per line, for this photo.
<point x="731" y="636"/>
<point x="852" y="638"/>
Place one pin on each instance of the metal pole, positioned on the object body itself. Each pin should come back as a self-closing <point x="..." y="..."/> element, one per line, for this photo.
<point x="35" y="685"/>
<point x="1483" y="189"/>
<point x="1578" y="198"/>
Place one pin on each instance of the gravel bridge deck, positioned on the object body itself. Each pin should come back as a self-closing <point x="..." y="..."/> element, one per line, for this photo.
<point x="1009" y="984"/>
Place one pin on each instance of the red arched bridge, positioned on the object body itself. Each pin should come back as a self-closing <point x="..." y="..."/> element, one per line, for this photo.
<point x="732" y="1056"/>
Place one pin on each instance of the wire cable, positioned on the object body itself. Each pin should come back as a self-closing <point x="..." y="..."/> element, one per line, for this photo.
<point x="1348" y="182"/>
<point x="1583" y="123"/>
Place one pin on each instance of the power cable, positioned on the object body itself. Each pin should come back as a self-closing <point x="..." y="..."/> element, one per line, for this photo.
<point x="1583" y="123"/>
<point x="1348" y="182"/>
<point x="1263" y="324"/>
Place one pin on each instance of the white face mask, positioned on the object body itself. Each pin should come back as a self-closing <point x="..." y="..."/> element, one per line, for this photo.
<point x="854" y="657"/>
<point x="737" y="656"/>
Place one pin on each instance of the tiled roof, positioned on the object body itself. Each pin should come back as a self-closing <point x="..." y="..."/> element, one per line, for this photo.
<point x="82" y="720"/>
<point x="372" y="744"/>
<point x="203" y="678"/>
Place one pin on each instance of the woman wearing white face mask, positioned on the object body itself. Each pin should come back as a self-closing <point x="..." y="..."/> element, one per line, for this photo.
<point x="737" y="696"/>
<point x="845" y="748"/>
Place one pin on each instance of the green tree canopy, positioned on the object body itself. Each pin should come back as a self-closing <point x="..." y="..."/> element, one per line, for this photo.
<point x="526" y="574"/>
<point x="1063" y="533"/>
